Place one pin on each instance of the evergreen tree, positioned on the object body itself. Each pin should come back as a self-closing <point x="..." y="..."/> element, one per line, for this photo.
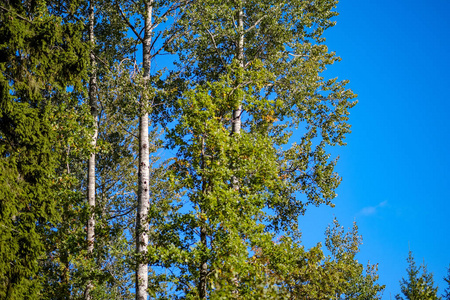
<point x="40" y="57"/>
<point x="446" y="295"/>
<point x="417" y="286"/>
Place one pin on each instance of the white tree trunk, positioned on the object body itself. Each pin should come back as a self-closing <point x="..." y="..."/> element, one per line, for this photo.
<point x="237" y="123"/>
<point x="202" y="288"/>
<point x="144" y="165"/>
<point x="236" y="129"/>
<point x="91" y="164"/>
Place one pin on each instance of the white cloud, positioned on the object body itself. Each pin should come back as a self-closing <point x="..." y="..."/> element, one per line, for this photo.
<point x="383" y="204"/>
<point x="372" y="210"/>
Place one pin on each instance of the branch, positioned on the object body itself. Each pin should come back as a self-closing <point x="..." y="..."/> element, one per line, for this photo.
<point x="297" y="55"/>
<point x="256" y="24"/>
<point x="234" y="22"/>
<point x="154" y="40"/>
<point x="100" y="59"/>
<point x="258" y="52"/>
<point x="215" y="46"/>
<point x="239" y="86"/>
<point x="173" y="36"/>
<point x="124" y="17"/>
<point x="19" y="16"/>
<point x="12" y="229"/>
<point x="174" y="7"/>
<point x="122" y="214"/>
<point x="169" y="40"/>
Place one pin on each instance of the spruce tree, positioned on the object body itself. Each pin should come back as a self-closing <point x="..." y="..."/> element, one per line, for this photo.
<point x="418" y="285"/>
<point x="446" y="294"/>
<point x="41" y="56"/>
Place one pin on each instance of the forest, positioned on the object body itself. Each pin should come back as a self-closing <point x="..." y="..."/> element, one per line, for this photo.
<point x="147" y="150"/>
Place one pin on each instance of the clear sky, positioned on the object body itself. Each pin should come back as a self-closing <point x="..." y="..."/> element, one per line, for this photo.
<point x="395" y="168"/>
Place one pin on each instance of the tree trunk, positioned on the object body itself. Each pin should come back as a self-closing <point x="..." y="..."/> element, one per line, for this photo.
<point x="144" y="165"/>
<point x="203" y="263"/>
<point x="204" y="266"/>
<point x="91" y="164"/>
<point x="236" y="129"/>
<point x="237" y="123"/>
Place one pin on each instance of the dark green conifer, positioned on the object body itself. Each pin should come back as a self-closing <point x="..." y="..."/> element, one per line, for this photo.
<point x="40" y="57"/>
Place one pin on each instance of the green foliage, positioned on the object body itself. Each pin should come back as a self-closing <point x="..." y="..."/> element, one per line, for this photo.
<point x="224" y="212"/>
<point x="235" y="230"/>
<point x="446" y="295"/>
<point x="312" y="275"/>
<point x="417" y="286"/>
<point x="26" y="199"/>
<point x="39" y="58"/>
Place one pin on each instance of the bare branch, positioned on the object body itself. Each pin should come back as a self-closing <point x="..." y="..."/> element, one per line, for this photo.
<point x="215" y="46"/>
<point x="169" y="40"/>
<point x="124" y="17"/>
<point x="154" y="41"/>
<point x="234" y="22"/>
<point x="256" y="24"/>
<point x="122" y="214"/>
<point x="297" y="55"/>
<point x="100" y="59"/>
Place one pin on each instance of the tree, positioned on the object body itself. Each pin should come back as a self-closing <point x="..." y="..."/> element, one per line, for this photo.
<point x="65" y="269"/>
<point x="446" y="295"/>
<point x="311" y="274"/>
<point x="91" y="188"/>
<point x="417" y="286"/>
<point x="41" y="56"/>
<point x="146" y="15"/>
<point x="253" y="69"/>
<point x="355" y="282"/>
<point x="219" y="220"/>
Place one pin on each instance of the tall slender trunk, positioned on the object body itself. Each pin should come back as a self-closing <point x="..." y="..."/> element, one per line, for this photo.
<point x="203" y="263"/>
<point x="236" y="129"/>
<point x="144" y="165"/>
<point x="91" y="164"/>
<point x="237" y="122"/>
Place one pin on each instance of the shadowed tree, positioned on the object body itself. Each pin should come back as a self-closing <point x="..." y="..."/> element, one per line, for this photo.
<point x="446" y="294"/>
<point x="41" y="56"/>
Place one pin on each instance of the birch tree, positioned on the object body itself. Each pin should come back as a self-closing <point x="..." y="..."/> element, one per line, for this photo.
<point x="255" y="74"/>
<point x="143" y="19"/>
<point x="90" y="231"/>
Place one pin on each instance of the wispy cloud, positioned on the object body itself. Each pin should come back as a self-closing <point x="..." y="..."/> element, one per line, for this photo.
<point x="371" y="210"/>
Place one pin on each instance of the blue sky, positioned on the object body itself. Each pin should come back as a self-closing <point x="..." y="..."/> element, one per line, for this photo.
<point x="395" y="168"/>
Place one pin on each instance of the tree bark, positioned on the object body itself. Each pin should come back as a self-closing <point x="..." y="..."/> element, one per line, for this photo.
<point x="91" y="164"/>
<point x="236" y="129"/>
<point x="202" y="288"/>
<point x="204" y="266"/>
<point x="144" y="165"/>
<point x="237" y="123"/>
